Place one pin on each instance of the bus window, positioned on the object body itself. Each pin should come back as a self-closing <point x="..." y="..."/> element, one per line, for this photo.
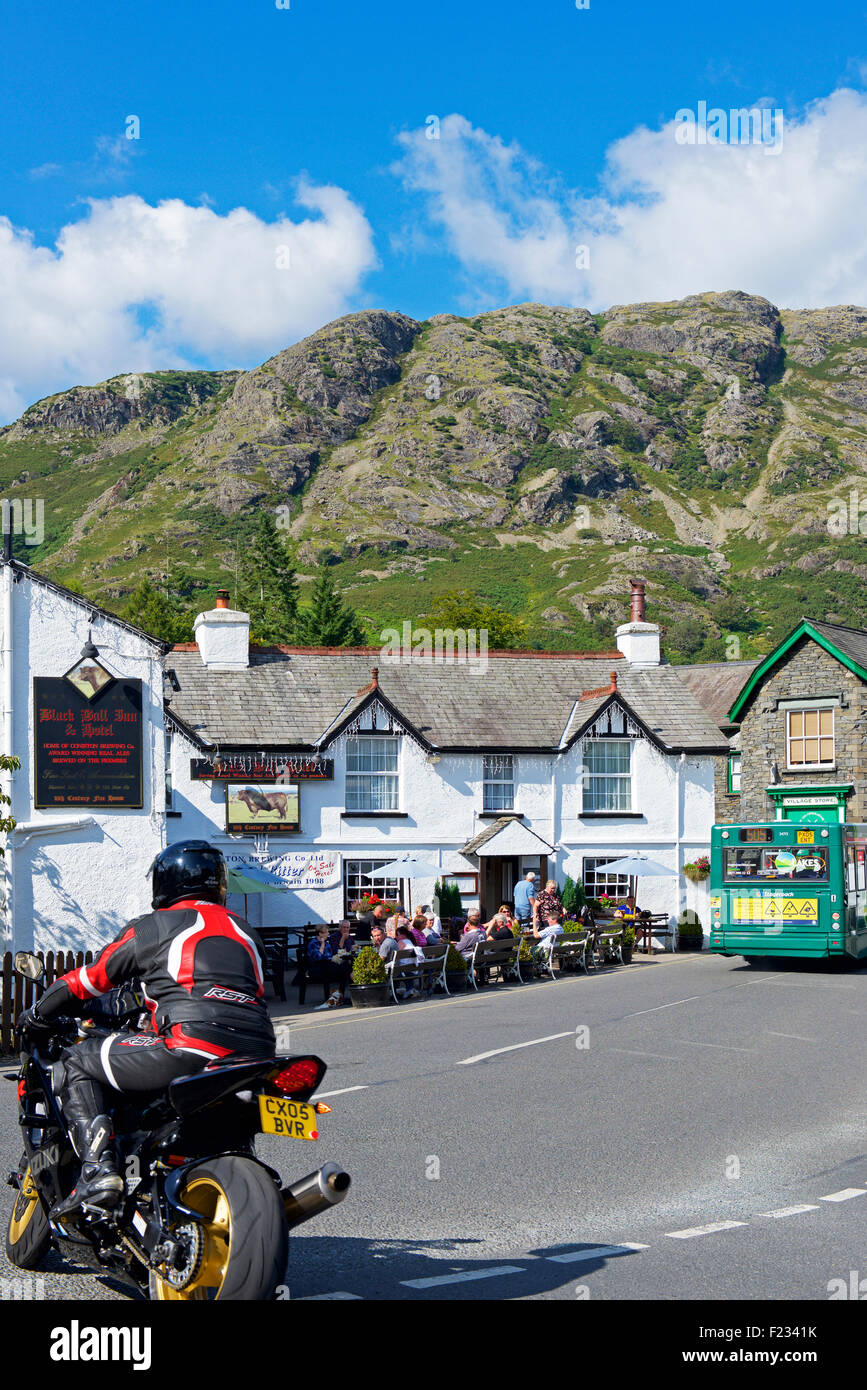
<point x="861" y="871"/>
<point x="755" y="863"/>
<point x="850" y="868"/>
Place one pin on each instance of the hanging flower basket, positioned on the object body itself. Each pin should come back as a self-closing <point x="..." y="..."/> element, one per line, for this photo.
<point x="698" y="871"/>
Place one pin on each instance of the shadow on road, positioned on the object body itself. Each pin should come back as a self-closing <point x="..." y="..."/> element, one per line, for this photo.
<point x="400" y="1269"/>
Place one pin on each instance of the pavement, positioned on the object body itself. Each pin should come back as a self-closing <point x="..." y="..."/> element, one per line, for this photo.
<point x="685" y="1127"/>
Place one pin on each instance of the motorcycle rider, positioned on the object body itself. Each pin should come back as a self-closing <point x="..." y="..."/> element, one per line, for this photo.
<point x="201" y="968"/>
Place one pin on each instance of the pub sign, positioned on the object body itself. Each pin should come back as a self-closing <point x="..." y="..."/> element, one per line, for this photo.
<point x="88" y="734"/>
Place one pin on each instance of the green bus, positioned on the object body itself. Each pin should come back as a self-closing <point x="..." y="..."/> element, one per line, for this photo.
<point x="788" y="888"/>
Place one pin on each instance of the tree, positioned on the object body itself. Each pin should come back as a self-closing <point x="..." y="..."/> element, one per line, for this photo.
<point x="573" y="896"/>
<point x="328" y="622"/>
<point x="8" y="763"/>
<point x="461" y="609"/>
<point x="268" y="590"/>
<point x="160" y="613"/>
<point x="687" y="636"/>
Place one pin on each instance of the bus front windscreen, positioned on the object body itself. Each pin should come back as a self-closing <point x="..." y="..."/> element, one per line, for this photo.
<point x="773" y="864"/>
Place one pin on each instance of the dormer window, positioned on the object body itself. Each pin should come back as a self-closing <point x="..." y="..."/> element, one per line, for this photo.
<point x="372" y="776"/>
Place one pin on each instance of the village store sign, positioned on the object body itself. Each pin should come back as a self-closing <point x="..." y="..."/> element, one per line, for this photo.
<point x="88" y="741"/>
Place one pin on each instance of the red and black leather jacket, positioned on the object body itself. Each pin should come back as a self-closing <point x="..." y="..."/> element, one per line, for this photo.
<point x="201" y="968"/>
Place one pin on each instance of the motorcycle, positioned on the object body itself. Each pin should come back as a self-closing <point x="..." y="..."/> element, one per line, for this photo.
<point x="202" y="1217"/>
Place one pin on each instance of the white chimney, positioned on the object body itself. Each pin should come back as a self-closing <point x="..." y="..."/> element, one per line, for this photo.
<point x="223" y="636"/>
<point x="637" y="639"/>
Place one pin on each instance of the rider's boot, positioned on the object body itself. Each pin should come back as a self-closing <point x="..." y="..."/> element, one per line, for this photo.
<point x="99" y="1183"/>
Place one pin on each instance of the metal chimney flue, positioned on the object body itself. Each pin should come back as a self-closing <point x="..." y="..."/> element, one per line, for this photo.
<point x="637" y="612"/>
<point x="222" y="598"/>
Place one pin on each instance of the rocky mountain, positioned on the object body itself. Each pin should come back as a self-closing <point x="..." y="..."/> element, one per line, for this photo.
<point x="716" y="447"/>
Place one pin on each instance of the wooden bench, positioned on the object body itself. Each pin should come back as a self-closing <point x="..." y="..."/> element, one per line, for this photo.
<point x="405" y="967"/>
<point x="275" y="941"/>
<point x="501" y="956"/>
<point x="608" y="947"/>
<point x="575" y="951"/>
<point x="646" y="928"/>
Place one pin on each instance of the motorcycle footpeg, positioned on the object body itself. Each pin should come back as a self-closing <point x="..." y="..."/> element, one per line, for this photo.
<point x="14" y="1178"/>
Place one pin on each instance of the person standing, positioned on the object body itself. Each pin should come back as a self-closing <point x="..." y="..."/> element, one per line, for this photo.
<point x="525" y="901"/>
<point x="549" y="908"/>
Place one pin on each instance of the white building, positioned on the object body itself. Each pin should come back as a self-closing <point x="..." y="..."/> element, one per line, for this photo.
<point x="74" y="872"/>
<point x="551" y="762"/>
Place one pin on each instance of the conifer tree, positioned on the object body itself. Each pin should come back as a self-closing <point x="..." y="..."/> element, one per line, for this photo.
<point x="268" y="588"/>
<point x="328" y="622"/>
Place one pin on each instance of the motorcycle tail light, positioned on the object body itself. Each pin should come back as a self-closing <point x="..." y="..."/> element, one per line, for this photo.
<point x="22" y="1088"/>
<point x="301" y="1075"/>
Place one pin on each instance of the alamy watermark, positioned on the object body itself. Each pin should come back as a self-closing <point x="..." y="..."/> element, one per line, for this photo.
<point x="24" y="517"/>
<point x="755" y="125"/>
<point x="423" y="646"/>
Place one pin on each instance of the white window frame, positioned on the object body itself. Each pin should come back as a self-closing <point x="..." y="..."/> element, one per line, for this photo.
<point x="598" y="862"/>
<point x="386" y="888"/>
<point x="389" y="799"/>
<point x="169" y="781"/>
<point x="587" y="777"/>
<point x="501" y="774"/>
<point x="802" y="738"/>
<point x="735" y="772"/>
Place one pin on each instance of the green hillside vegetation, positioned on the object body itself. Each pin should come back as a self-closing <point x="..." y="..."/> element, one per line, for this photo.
<point x="533" y="459"/>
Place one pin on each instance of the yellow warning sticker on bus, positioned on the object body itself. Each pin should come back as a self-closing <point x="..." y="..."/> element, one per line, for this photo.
<point x="780" y="909"/>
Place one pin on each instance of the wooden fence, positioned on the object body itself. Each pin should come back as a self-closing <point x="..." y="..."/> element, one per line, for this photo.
<point x="18" y="994"/>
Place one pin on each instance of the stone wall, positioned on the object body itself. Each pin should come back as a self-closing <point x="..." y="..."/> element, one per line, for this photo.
<point x="727" y="806"/>
<point x="808" y="672"/>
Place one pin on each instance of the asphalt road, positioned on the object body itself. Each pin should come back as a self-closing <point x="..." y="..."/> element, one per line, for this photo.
<point x="685" y="1128"/>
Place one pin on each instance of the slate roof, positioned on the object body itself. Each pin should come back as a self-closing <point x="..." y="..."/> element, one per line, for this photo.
<point x="716" y="685"/>
<point x="290" y="698"/>
<point x="851" y="641"/>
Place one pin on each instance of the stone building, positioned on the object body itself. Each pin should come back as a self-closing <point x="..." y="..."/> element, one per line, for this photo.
<point x="802" y="717"/>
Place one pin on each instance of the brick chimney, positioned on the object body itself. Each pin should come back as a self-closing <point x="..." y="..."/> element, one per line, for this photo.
<point x="638" y="640"/>
<point x="223" y="636"/>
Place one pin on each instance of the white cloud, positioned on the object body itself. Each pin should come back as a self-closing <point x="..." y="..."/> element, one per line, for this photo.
<point x="671" y="219"/>
<point x="132" y="287"/>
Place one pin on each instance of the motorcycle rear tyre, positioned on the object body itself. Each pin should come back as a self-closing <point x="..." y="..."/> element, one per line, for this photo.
<point x="246" y="1238"/>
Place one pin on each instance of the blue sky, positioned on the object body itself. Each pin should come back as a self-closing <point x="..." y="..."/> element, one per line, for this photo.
<point x="121" y="254"/>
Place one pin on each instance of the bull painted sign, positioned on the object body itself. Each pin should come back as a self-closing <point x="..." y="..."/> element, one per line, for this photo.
<point x="258" y="808"/>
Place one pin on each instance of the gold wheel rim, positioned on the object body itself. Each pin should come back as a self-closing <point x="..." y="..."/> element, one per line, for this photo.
<point x="205" y="1196"/>
<point x="24" y="1208"/>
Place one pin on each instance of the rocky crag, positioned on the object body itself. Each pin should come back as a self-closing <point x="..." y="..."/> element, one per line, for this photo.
<point x="717" y="446"/>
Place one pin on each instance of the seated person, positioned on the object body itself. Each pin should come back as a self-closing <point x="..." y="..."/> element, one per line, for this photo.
<point x="543" y="929"/>
<point x="417" y="928"/>
<point x="473" y="932"/>
<point x="432" y="919"/>
<point x="321" y="965"/>
<point x="433" y="930"/>
<point x="405" y="940"/>
<point x="500" y="926"/>
<point x="385" y="946"/>
<point x="341" y="940"/>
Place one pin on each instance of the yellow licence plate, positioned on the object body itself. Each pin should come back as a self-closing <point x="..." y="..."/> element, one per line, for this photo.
<point x="290" y="1118"/>
<point x="806" y="837"/>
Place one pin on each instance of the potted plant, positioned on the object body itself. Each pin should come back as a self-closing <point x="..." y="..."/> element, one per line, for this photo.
<point x="698" y="870"/>
<point x="690" y="934"/>
<point x="456" y="971"/>
<point x="627" y="942"/>
<point x="368" y="987"/>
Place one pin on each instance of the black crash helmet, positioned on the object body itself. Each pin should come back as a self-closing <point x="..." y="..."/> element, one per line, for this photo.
<point x="188" y="869"/>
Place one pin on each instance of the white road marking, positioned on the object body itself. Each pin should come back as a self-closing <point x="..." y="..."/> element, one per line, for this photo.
<point x="319" y="1297"/>
<point x="789" y="1211"/>
<point x="483" y="1056"/>
<point x="657" y="1007"/>
<point x="599" y="1253"/>
<point x="844" y="1195"/>
<point x="795" y="1037"/>
<point x="461" y="1278"/>
<point x="323" y="1095"/>
<point x="634" y="1052"/>
<point x="704" y="1230"/>
<point x="720" y="1047"/>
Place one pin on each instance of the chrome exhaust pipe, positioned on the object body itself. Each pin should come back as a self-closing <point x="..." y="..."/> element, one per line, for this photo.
<point x="309" y="1196"/>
